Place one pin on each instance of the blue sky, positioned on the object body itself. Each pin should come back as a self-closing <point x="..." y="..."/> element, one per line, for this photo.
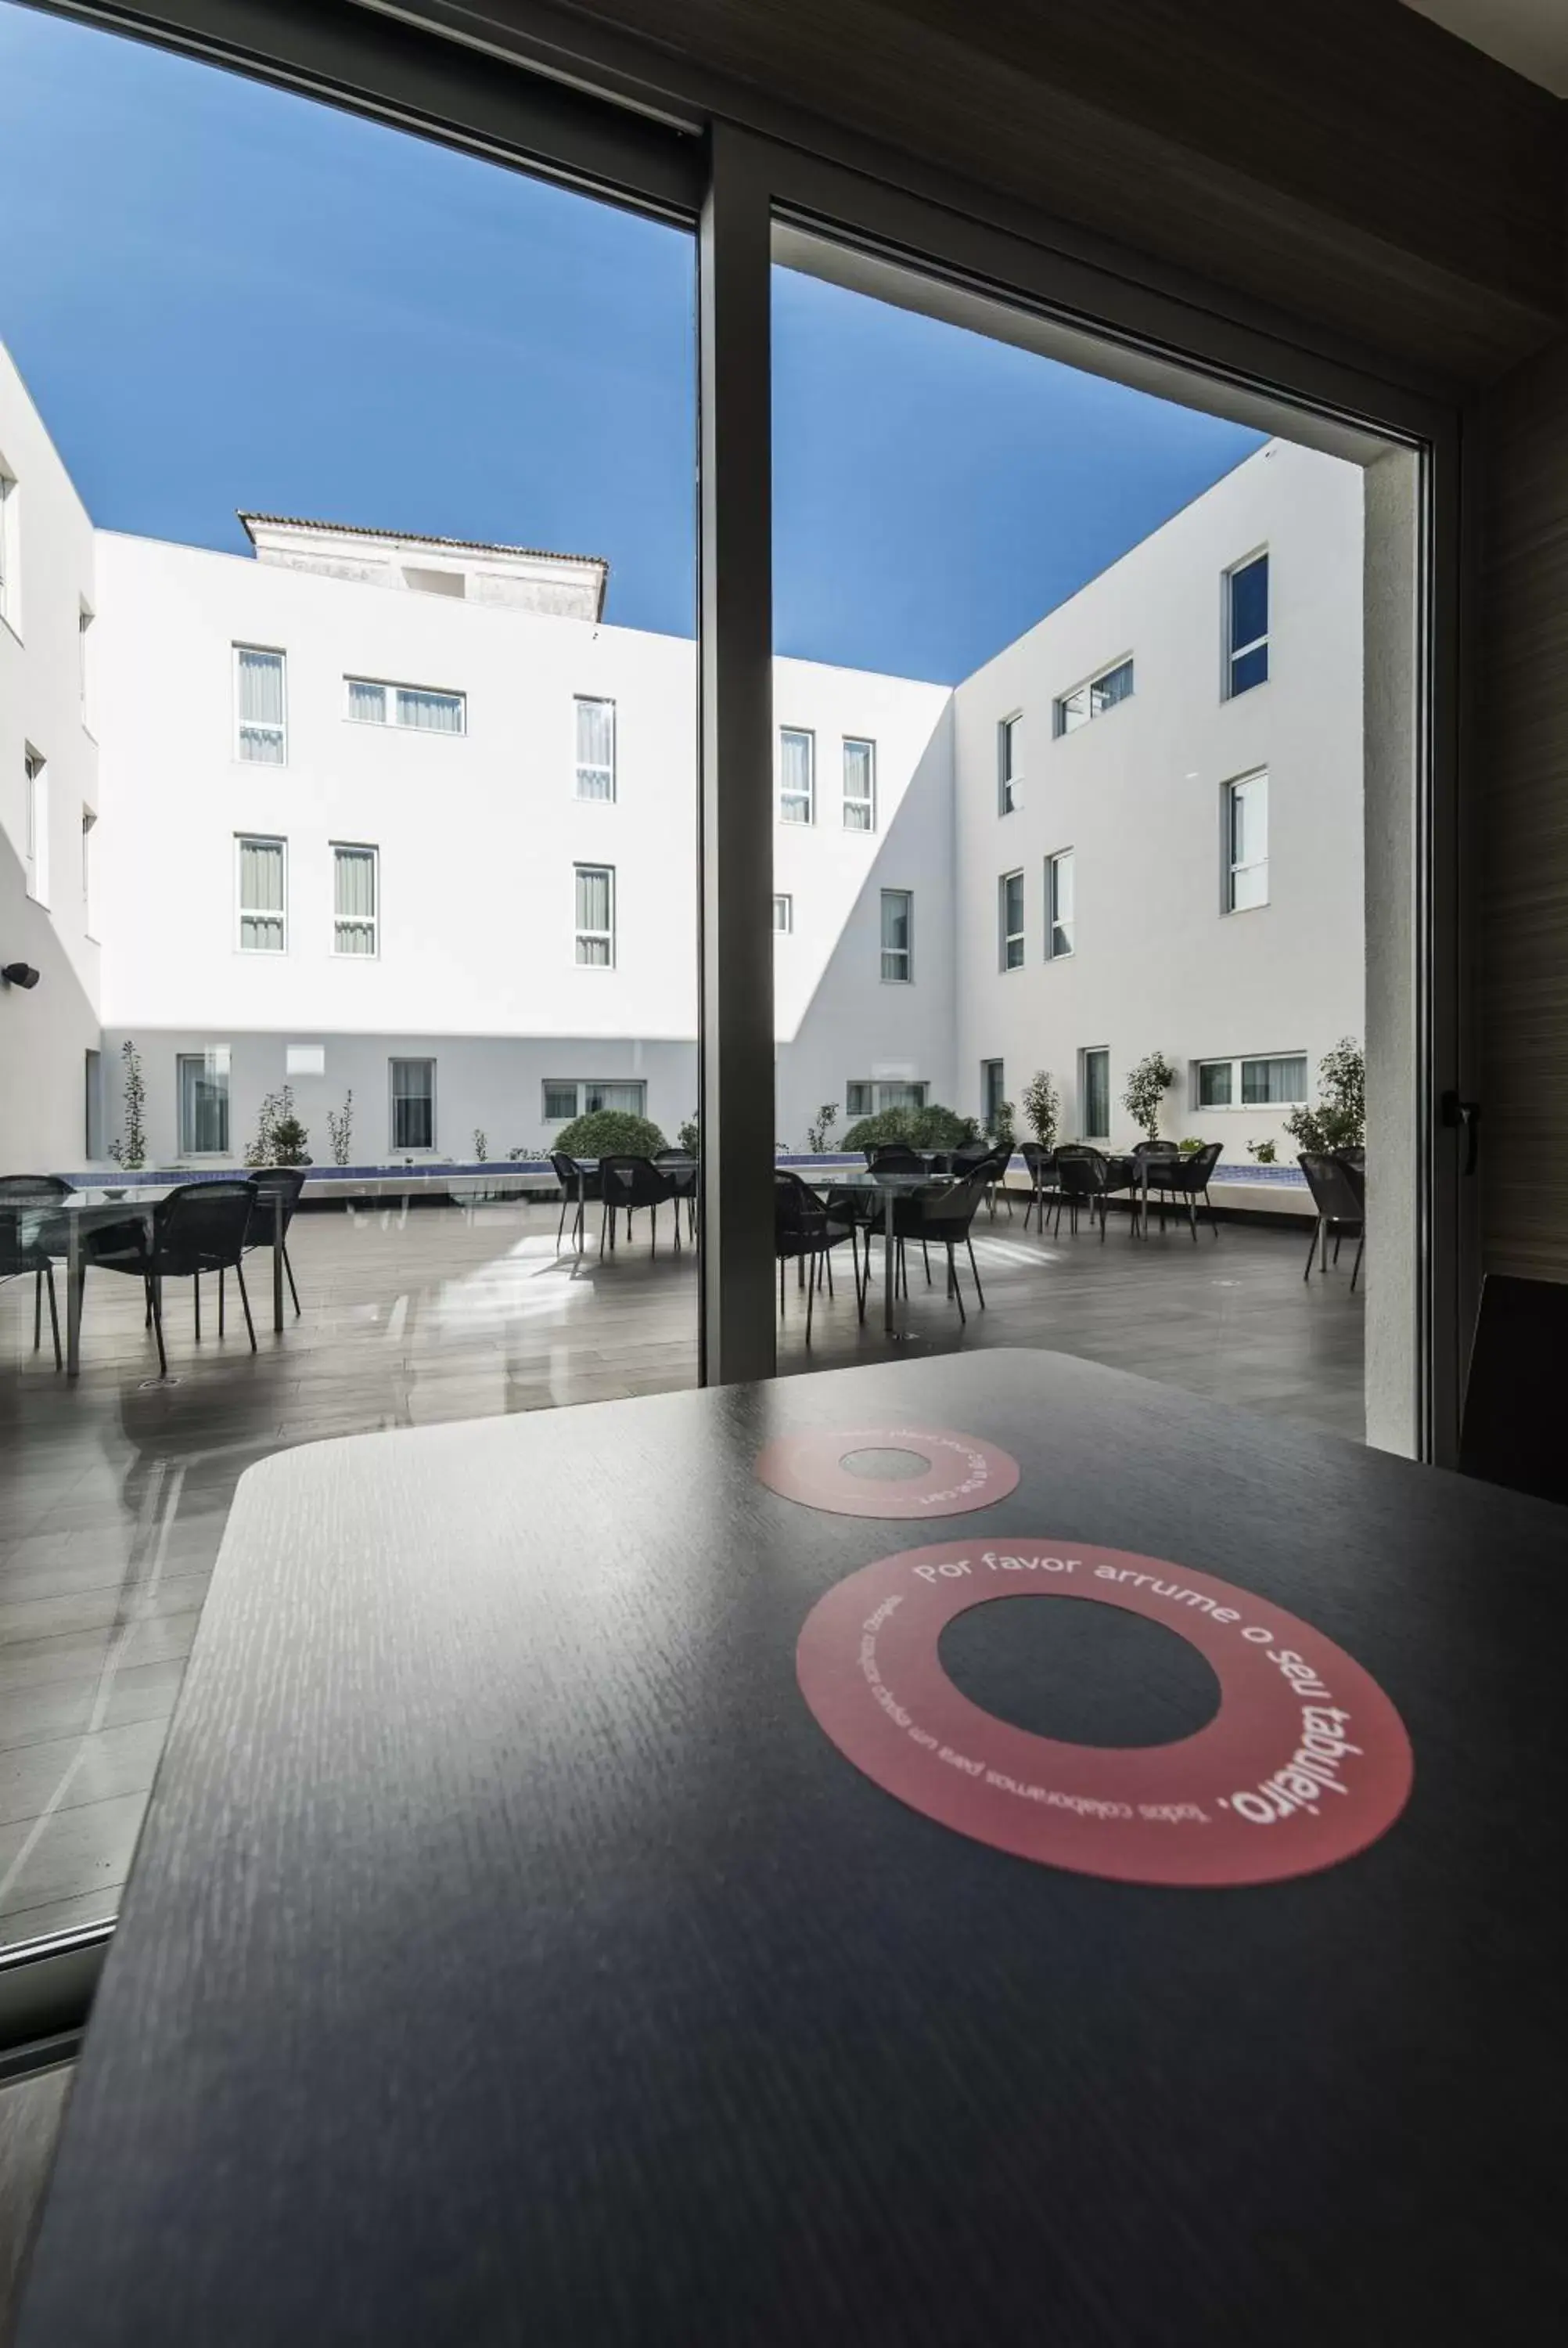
<point x="221" y="296"/>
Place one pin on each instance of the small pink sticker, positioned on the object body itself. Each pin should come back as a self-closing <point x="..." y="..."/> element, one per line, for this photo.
<point x="1306" y="1762"/>
<point x="887" y="1471"/>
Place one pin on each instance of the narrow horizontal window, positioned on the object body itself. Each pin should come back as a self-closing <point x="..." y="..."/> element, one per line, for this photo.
<point x="1093" y="698"/>
<point x="415" y="708"/>
<point x="568" y="1097"/>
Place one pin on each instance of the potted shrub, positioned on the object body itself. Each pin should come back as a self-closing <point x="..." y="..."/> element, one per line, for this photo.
<point x="609" y="1133"/>
<point x="1042" y="1107"/>
<point x="1147" y="1085"/>
<point x="1337" y="1125"/>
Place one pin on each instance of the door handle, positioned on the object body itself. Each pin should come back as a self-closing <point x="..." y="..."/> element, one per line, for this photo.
<point x="1464" y="1115"/>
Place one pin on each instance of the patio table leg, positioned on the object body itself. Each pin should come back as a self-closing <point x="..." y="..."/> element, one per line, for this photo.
<point x="581" y="1207"/>
<point x="887" y="1261"/>
<point x="73" y="1296"/>
<point x="278" y="1261"/>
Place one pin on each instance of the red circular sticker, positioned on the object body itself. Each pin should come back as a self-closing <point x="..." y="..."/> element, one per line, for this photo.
<point x="887" y="1471"/>
<point x="1306" y="1762"/>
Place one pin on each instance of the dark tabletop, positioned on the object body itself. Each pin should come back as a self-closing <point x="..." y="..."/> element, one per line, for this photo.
<point x="510" y="1958"/>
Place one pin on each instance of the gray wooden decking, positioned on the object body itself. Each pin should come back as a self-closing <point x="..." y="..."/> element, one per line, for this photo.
<point x="112" y="1493"/>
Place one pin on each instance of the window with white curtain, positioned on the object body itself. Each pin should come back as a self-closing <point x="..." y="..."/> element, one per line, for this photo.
<point x="203" y="1085"/>
<point x="784" y="914"/>
<point x="595" y="916"/>
<point x="1059" y="925"/>
<point x="862" y="1097"/>
<point x="356" y="893"/>
<point x="8" y="552"/>
<point x="262" y="877"/>
<point x="1009" y="737"/>
<point x="595" y="749"/>
<point x="36" y="772"/>
<point x="1009" y="921"/>
<point x="898" y="936"/>
<point x="568" y="1097"/>
<point x="797" y="776"/>
<point x="414" y="708"/>
<point x="860" y="785"/>
<point x="261" y="717"/>
<point x="1246" y="844"/>
<point x="412" y="1104"/>
<point x="1279" y="1082"/>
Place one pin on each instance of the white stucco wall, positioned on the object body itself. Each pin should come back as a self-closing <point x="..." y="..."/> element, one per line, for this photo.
<point x="477" y="837"/>
<point x="45" y="1032"/>
<point x="1136" y="795"/>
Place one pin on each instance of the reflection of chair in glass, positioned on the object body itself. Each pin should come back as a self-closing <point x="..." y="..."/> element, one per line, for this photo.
<point x="21" y="1252"/>
<point x="894" y="1157"/>
<point x="580" y="1187"/>
<point x="287" y="1183"/>
<point x="36" y="1190"/>
<point x="1339" y="1195"/>
<point x="806" y="1233"/>
<point x="200" y="1227"/>
<point x="1511" y="1431"/>
<point x="631" y="1182"/>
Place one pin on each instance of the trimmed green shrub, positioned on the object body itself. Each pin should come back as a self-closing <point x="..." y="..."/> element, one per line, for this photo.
<point x="609" y="1133"/>
<point x="923" y="1128"/>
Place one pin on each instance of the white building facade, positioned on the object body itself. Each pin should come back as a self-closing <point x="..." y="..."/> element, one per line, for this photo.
<point x="406" y="820"/>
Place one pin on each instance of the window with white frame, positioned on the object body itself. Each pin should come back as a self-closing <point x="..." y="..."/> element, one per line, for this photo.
<point x="1092" y="698"/>
<point x="261" y="876"/>
<point x="415" y="708"/>
<point x="595" y="749"/>
<point x="261" y="714"/>
<point x="1268" y="1082"/>
<point x="859" y="784"/>
<point x="595" y="915"/>
<point x="1010" y="742"/>
<point x="1009" y="921"/>
<point x="36" y="772"/>
<point x="993" y="1091"/>
<point x="797" y="776"/>
<point x="89" y="893"/>
<point x="1094" y="1091"/>
<point x="568" y="1097"/>
<point x="783" y="914"/>
<point x="1060" y="925"/>
<point x="1245" y="818"/>
<point x="203" y="1089"/>
<point x="412" y="1121"/>
<point x="9" y="550"/>
<point x="898" y="936"/>
<point x="356" y="891"/>
<point x="863" y="1096"/>
<point x="1246" y="625"/>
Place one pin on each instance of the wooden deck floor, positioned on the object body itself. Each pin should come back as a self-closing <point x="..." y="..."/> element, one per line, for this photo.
<point x="112" y="1493"/>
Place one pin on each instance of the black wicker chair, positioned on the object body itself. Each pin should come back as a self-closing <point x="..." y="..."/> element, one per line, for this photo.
<point x="806" y="1233"/>
<point x="632" y="1182"/>
<point x="200" y="1227"/>
<point x="33" y="1190"/>
<point x="894" y="1157"/>
<point x="1187" y="1180"/>
<point x="946" y="1213"/>
<point x="1086" y="1177"/>
<point x="1512" y="1430"/>
<point x="568" y="1175"/>
<point x="1042" y="1164"/>
<point x="682" y="1166"/>
<point x="1339" y="1189"/>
